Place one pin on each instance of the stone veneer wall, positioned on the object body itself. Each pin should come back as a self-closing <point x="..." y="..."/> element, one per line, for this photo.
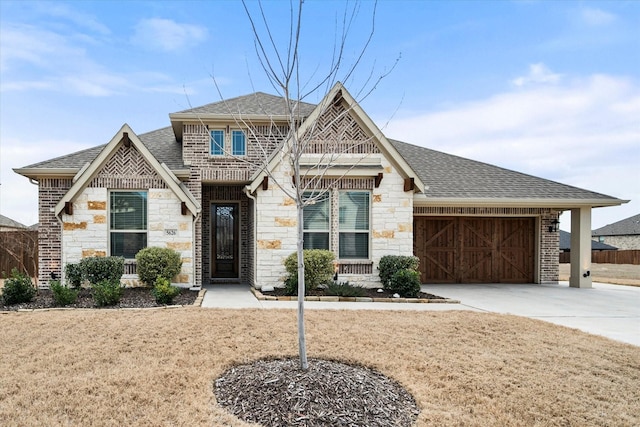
<point x="50" y="191"/>
<point x="86" y="232"/>
<point x="391" y="230"/>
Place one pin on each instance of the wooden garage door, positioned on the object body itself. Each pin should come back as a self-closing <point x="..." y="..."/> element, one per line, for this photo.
<point x="475" y="250"/>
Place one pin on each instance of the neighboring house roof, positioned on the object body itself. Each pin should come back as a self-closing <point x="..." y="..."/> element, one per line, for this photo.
<point x="565" y="243"/>
<point x="625" y="227"/>
<point x="6" y="222"/>
<point x="451" y="178"/>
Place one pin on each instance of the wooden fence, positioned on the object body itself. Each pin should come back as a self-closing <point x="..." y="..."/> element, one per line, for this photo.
<point x="19" y="249"/>
<point x="631" y="256"/>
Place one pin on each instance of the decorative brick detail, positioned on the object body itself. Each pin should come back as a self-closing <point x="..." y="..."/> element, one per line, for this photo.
<point x="99" y="219"/>
<point x="269" y="244"/>
<point x="75" y="225"/>
<point x="179" y="246"/>
<point x="288" y="201"/>
<point x="285" y="222"/>
<point x="93" y="205"/>
<point x="92" y="252"/>
<point x="336" y="131"/>
<point x="127" y="169"/>
<point x="340" y="183"/>
<point x="384" y="234"/>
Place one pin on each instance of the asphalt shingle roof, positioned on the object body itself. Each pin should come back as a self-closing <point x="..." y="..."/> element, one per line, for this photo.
<point x="446" y="175"/>
<point x="257" y="103"/>
<point x="625" y="227"/>
<point x="5" y="221"/>
<point x="449" y="176"/>
<point x="162" y="144"/>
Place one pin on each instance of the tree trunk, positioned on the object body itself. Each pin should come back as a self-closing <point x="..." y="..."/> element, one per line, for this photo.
<point x="302" y="342"/>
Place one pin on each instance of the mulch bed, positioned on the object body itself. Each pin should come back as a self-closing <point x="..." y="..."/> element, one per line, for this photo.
<point x="131" y="298"/>
<point x="370" y="292"/>
<point x="279" y="393"/>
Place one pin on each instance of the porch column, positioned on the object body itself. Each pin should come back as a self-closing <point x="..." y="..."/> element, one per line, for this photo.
<point x="580" y="248"/>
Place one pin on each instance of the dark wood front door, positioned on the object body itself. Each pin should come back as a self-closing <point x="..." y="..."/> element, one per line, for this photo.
<point x="475" y="250"/>
<point x="224" y="240"/>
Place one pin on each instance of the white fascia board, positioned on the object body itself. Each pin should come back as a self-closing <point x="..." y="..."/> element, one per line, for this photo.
<point x="422" y="200"/>
<point x="35" y="173"/>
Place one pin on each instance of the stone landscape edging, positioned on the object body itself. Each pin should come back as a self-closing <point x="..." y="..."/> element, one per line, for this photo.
<point x="196" y="303"/>
<point x="260" y="296"/>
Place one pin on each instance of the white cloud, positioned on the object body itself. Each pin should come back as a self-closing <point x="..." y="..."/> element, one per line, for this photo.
<point x="167" y="35"/>
<point x="583" y="132"/>
<point x="61" y="63"/>
<point x="78" y="19"/>
<point x="538" y="74"/>
<point x="18" y="197"/>
<point x="596" y="17"/>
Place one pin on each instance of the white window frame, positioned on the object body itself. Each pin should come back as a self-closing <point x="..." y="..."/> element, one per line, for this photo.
<point x="340" y="230"/>
<point x="328" y="231"/>
<point x="231" y="136"/>
<point x="224" y="138"/>
<point x="125" y="231"/>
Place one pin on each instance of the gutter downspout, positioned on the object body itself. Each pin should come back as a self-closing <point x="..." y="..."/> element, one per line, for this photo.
<point x="247" y="190"/>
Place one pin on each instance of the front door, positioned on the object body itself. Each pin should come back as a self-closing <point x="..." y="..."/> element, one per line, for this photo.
<point x="224" y="240"/>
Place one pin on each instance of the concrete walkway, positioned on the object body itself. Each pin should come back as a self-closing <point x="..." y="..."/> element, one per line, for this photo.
<point x="612" y="311"/>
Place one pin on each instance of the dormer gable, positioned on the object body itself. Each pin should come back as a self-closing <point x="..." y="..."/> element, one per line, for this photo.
<point x="126" y="155"/>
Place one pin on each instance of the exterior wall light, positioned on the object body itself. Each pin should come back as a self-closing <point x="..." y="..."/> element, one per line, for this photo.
<point x="555" y="226"/>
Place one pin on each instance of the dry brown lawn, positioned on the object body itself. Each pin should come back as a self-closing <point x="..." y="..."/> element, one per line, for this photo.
<point x="157" y="367"/>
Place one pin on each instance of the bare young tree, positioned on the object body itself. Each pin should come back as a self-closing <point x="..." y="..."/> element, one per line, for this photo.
<point x="281" y="64"/>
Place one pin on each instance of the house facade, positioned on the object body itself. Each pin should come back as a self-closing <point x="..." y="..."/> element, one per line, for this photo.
<point x="217" y="187"/>
<point x="624" y="234"/>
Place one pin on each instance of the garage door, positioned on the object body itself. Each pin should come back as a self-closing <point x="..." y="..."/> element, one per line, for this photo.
<point x="475" y="250"/>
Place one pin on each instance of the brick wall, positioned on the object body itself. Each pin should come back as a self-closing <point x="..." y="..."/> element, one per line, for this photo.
<point x="50" y="191"/>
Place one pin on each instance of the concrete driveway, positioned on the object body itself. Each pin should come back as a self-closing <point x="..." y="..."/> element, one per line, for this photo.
<point x="612" y="311"/>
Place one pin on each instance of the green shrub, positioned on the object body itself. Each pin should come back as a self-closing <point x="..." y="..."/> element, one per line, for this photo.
<point x="106" y="293"/>
<point x="100" y="269"/>
<point x="406" y="283"/>
<point x="345" y="290"/>
<point x="63" y="295"/>
<point x="390" y="264"/>
<point x="154" y="262"/>
<point x="163" y="291"/>
<point x="73" y="274"/>
<point x="18" y="288"/>
<point x="318" y="269"/>
<point x="291" y="285"/>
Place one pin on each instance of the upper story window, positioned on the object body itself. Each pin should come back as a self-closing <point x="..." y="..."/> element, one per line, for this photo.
<point x="354" y="213"/>
<point x="238" y="143"/>
<point x="127" y="223"/>
<point x="217" y="143"/>
<point x="316" y="224"/>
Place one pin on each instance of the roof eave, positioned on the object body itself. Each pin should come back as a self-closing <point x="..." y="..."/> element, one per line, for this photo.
<point x="560" y="203"/>
<point x="35" y="173"/>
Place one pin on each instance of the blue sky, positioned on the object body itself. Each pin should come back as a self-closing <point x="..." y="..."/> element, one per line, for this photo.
<point x="547" y="88"/>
